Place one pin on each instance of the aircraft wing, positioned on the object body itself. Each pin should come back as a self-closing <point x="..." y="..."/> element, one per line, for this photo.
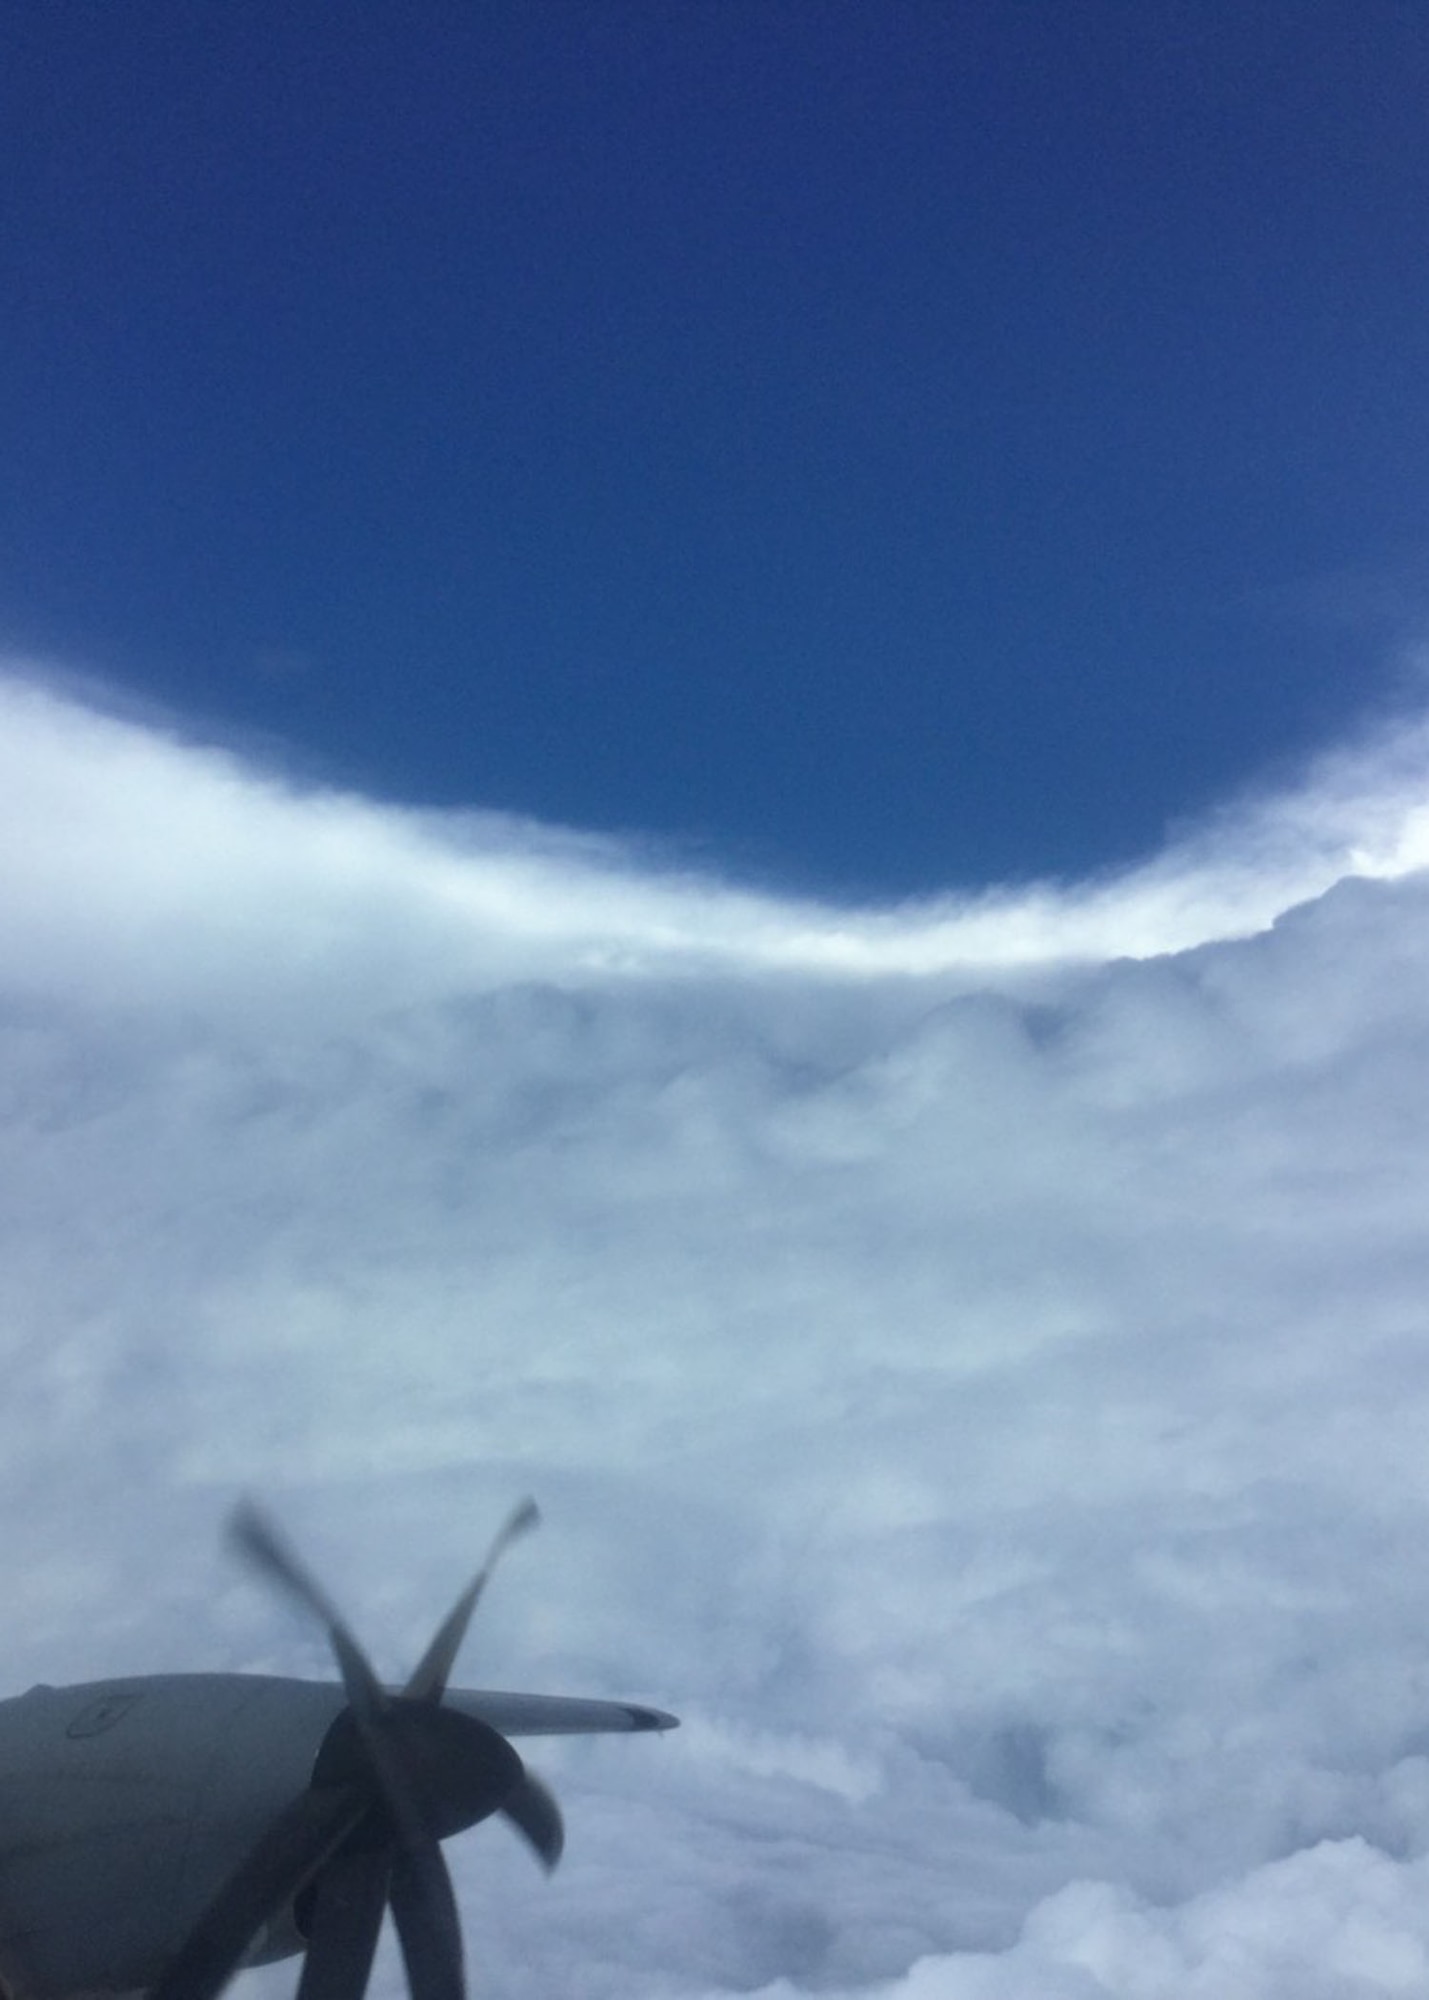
<point x="556" y="1714"/>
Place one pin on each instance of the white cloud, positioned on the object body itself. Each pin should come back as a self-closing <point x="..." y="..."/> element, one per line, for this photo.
<point x="1335" y="1922"/>
<point x="972" y="1357"/>
<point x="211" y="864"/>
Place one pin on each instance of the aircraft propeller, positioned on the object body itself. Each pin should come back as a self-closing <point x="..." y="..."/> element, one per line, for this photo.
<point x="394" y="1776"/>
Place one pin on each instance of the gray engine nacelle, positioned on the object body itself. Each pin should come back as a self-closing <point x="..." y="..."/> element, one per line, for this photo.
<point x="125" y="1804"/>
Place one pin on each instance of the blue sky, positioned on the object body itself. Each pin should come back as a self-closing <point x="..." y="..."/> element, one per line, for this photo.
<point x="877" y="449"/>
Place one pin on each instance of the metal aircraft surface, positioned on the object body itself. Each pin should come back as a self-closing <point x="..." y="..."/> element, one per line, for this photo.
<point x="161" y="1833"/>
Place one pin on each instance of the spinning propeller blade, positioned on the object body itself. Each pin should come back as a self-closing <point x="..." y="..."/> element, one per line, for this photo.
<point x="349" y="1899"/>
<point x="428" y="1928"/>
<point x="430" y="1677"/>
<point x="534" y="1812"/>
<point x="295" y="1846"/>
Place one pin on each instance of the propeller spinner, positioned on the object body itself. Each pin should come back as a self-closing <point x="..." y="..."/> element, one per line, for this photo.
<point x="395" y="1776"/>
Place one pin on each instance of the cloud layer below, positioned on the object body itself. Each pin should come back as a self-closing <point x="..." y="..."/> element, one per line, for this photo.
<point x="972" y="1357"/>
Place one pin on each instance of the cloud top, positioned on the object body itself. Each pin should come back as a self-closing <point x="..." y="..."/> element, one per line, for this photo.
<point x="202" y="855"/>
<point x="969" y="1355"/>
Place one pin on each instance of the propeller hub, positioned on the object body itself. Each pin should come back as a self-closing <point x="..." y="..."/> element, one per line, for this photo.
<point x="460" y="1770"/>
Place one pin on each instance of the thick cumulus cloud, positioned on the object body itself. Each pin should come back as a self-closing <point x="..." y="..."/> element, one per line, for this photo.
<point x="973" y="1358"/>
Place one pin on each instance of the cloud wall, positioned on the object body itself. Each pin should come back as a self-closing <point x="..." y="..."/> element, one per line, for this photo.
<point x="972" y="1357"/>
